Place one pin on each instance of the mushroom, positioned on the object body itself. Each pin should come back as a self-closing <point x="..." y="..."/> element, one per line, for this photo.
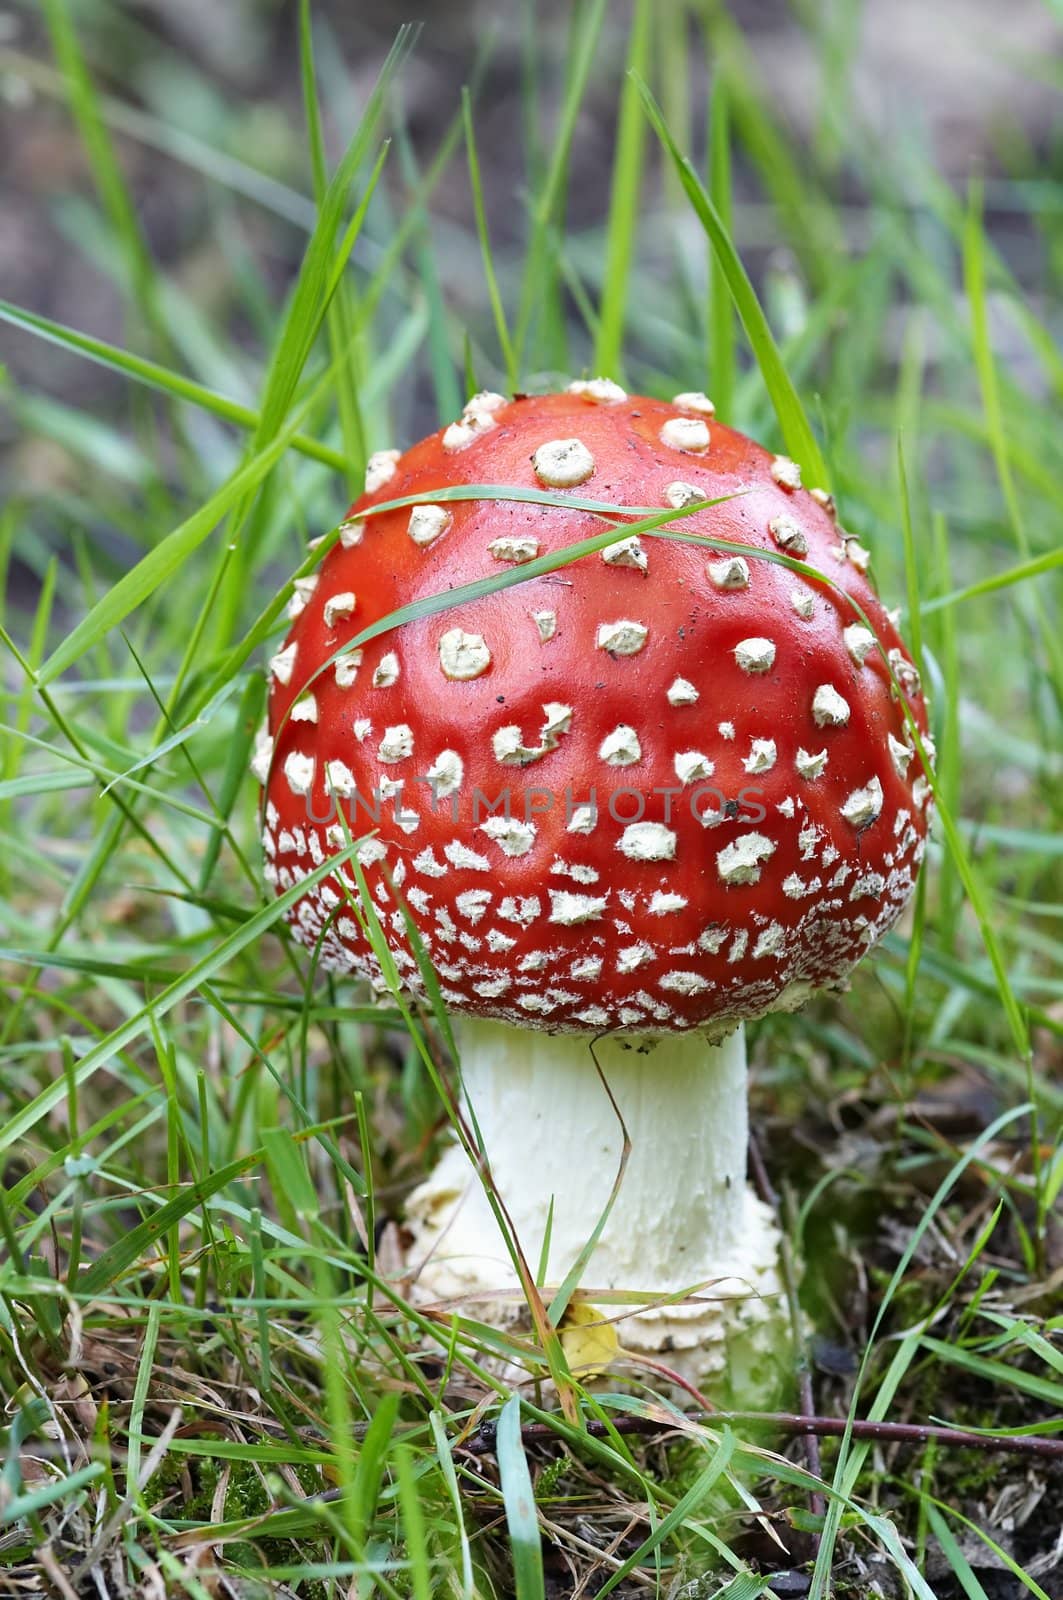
<point x="628" y="805"/>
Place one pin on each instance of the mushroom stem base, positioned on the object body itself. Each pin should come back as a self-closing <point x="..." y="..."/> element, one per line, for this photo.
<point x="683" y="1223"/>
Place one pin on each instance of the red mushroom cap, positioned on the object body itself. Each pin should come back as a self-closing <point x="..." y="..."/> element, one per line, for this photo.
<point x="661" y="788"/>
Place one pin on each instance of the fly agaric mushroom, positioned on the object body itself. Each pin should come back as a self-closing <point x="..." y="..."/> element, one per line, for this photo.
<point x="628" y="805"/>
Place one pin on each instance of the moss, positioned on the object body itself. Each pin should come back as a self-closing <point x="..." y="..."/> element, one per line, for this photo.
<point x="246" y="1496"/>
<point x="548" y="1480"/>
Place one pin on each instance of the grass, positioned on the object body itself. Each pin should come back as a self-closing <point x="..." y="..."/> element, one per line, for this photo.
<point x="209" y="1368"/>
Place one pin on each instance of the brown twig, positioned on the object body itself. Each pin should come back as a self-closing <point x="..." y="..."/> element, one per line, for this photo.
<point x="482" y="1442"/>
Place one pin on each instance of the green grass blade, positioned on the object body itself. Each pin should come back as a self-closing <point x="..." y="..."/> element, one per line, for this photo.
<point x="723" y="355"/>
<point x="318" y="276"/>
<point x="440" y="334"/>
<point x="852" y="1455"/>
<point x="796" y="430"/>
<point x="106" y="171"/>
<point x="810" y="221"/>
<point x="974" y="278"/>
<point x="134" y="1027"/>
<point x="519" y="1500"/>
<point x="995" y="582"/>
<point x="505" y="343"/>
<point x="625" y="201"/>
<point x="412" y="1517"/>
<point x="446" y="1465"/>
<point x="342" y="311"/>
<point x="694" y="1496"/>
<point x="24" y="1506"/>
<point x="911" y="567"/>
<point x="166" y="558"/>
<point x="157" y="377"/>
<point x="1003" y="1559"/>
<point x="538" y="288"/>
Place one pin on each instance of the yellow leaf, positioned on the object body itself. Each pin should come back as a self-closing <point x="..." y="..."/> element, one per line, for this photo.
<point x="590" y="1345"/>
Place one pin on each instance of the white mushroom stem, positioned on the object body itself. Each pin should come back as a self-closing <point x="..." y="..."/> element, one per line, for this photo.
<point x="684" y="1215"/>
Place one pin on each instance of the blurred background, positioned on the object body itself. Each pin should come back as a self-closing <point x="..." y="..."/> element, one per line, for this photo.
<point x="205" y="102"/>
